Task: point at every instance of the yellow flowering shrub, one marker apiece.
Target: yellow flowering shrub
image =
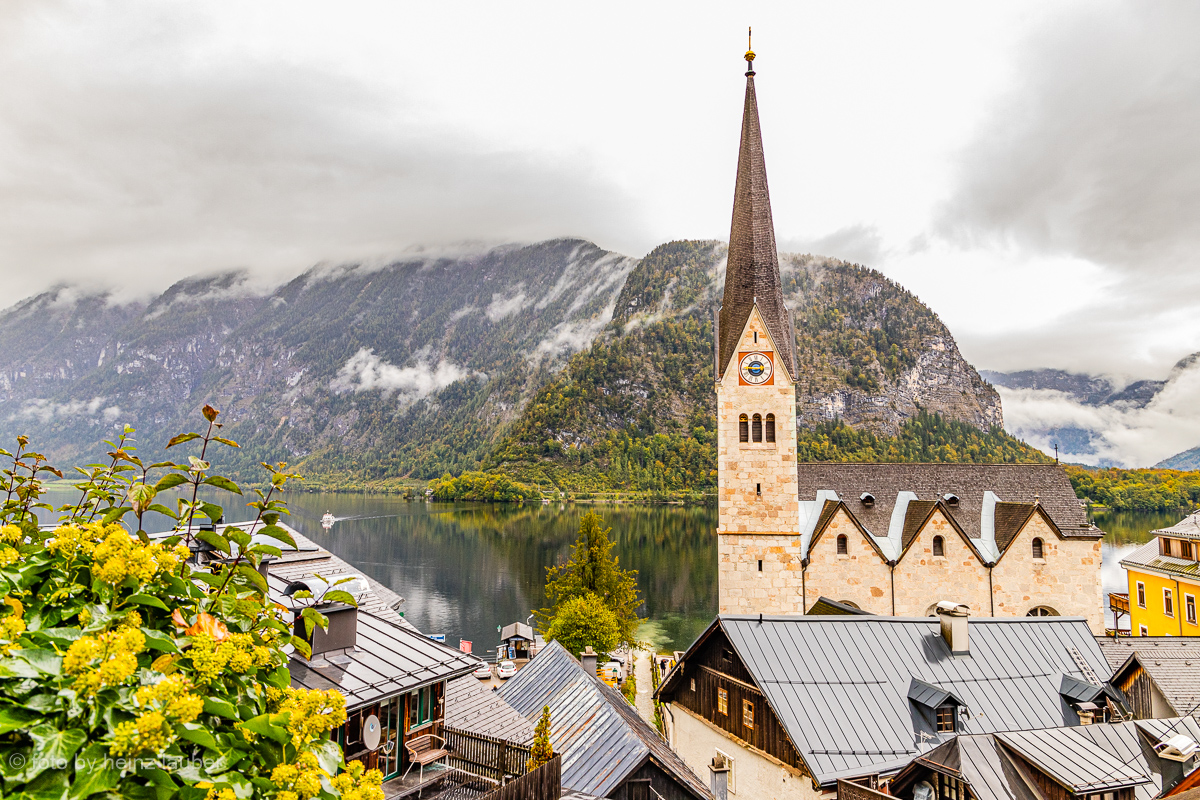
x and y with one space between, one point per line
104 660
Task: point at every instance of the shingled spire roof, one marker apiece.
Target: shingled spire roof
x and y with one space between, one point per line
752 274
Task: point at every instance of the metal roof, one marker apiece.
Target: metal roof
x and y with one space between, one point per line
1186 528
1089 758
840 685
1148 557
600 736
473 706
929 695
388 659
517 630
1078 691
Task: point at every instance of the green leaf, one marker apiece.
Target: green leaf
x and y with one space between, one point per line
223 440
14 719
252 575
226 761
94 773
157 640
161 509
219 707
216 540
339 596
302 647
279 534
17 668
329 756
52 746
263 726
147 600
169 481
212 511
46 661
222 483
237 535
114 514
265 549
197 734
181 438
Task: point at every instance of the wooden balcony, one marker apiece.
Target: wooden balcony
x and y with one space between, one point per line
1119 603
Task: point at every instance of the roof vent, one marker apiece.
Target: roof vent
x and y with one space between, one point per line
953 617
950 498
1179 748
867 499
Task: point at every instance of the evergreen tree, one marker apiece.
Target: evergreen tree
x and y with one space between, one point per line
541 751
594 570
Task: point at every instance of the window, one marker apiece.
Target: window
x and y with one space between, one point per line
1168 603
1143 630
756 428
1041 611
723 702
693 684
945 719
420 708
939 546
842 545
760 565
1185 550
748 713
756 337
1039 549
770 427
758 489
1166 546
1189 607
743 428
1141 594
949 788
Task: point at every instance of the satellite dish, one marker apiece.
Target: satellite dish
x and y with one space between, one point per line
371 732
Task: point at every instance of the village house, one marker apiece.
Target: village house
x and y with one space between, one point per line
1164 582
791 704
1005 540
1159 675
607 750
1122 761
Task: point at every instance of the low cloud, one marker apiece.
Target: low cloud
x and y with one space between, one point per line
1119 434
502 307
859 244
367 372
45 411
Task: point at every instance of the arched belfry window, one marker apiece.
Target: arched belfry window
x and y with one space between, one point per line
770 427
842 544
743 428
939 546
1039 550
756 427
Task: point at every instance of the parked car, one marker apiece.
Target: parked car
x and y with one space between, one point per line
483 671
506 670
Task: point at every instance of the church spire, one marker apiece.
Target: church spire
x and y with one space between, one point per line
752 274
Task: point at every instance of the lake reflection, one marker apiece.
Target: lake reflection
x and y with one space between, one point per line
1125 531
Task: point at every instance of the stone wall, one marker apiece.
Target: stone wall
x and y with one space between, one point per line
923 579
861 576
744 589
755 775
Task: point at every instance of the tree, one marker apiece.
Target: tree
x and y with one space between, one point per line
542 751
126 673
594 570
583 621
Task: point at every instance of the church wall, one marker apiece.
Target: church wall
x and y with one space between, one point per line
1067 579
923 579
746 590
860 577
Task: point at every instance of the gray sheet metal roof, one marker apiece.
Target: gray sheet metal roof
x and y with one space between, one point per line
389 659
1148 557
1186 528
600 736
473 706
1173 663
515 630
1090 758
929 695
977 760
1079 691
839 685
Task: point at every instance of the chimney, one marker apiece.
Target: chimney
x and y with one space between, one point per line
1178 755
718 777
953 617
342 633
590 659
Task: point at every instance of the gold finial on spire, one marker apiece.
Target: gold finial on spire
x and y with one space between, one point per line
749 49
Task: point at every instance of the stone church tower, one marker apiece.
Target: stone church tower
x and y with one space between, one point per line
758 530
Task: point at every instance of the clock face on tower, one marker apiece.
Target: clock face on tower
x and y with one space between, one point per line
755 368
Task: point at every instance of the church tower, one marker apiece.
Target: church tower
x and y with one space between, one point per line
759 516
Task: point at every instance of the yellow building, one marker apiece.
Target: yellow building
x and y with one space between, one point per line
1164 582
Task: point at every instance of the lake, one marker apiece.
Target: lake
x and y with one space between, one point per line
464 568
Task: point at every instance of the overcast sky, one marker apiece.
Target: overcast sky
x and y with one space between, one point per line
1030 170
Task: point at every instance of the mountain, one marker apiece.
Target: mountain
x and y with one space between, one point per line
1100 421
1187 460
524 358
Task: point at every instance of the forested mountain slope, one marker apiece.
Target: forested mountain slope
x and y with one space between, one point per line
445 363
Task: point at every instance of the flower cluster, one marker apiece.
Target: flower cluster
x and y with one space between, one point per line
313 713
12 625
359 784
121 556
103 660
298 781
166 702
237 652
10 535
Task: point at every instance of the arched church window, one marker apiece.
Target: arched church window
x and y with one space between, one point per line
756 427
743 428
1039 549
770 427
939 546
1041 611
842 544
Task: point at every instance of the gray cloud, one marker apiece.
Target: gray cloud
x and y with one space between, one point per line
860 244
1095 152
134 150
